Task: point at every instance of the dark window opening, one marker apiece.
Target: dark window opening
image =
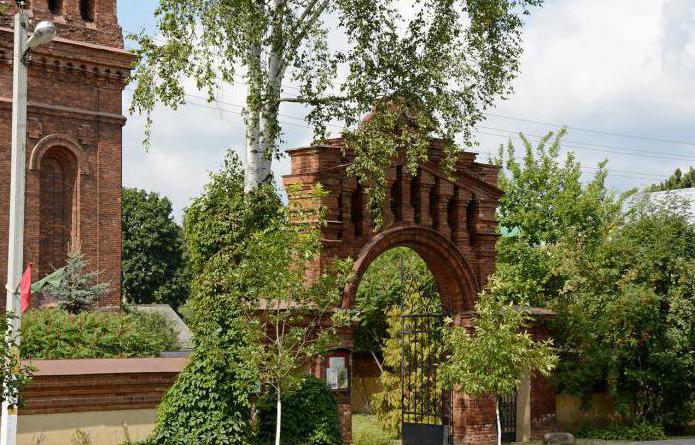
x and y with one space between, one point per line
452 212
356 211
415 197
434 204
55 6
396 196
472 216
87 10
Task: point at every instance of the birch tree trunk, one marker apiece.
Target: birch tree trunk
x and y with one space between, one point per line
269 117
499 424
278 419
252 119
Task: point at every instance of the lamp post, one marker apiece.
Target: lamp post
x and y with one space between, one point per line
44 33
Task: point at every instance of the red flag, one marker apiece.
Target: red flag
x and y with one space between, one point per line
25 289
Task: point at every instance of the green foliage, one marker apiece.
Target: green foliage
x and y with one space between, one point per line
396 282
366 431
221 220
627 312
498 353
13 374
52 334
441 65
309 416
77 291
676 181
620 282
545 201
381 288
211 401
638 431
153 264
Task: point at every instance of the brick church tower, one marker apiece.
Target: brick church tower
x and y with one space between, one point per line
74 138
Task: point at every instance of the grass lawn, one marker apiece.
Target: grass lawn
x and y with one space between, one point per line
366 431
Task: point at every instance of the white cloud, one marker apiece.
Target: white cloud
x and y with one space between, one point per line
625 66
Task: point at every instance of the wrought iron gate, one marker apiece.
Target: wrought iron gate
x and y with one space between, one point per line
507 407
425 405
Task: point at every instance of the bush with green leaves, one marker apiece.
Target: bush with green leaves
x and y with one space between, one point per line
53 334
14 375
637 431
309 416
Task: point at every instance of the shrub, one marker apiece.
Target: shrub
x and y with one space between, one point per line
56 334
78 290
309 417
637 431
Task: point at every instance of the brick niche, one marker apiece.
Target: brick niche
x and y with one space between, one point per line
74 138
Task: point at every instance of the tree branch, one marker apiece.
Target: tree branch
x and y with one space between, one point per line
314 100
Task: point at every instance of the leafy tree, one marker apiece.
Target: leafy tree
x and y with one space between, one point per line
676 181
211 401
397 283
615 272
290 321
546 201
78 289
153 265
434 69
381 288
626 311
494 356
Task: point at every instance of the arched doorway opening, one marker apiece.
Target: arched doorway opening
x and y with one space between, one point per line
397 352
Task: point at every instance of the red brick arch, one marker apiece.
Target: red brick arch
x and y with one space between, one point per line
454 276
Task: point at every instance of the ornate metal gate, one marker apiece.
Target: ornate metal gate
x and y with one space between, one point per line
425 405
507 407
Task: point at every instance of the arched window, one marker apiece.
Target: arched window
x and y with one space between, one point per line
55 6
356 208
87 10
58 207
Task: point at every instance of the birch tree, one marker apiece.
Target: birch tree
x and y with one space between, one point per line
429 66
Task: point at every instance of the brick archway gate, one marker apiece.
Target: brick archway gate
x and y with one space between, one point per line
449 221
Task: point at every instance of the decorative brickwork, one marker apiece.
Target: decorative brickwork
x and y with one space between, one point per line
449 221
73 188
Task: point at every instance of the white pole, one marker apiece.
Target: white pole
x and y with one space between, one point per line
8 424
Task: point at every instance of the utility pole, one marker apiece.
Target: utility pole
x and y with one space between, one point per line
44 33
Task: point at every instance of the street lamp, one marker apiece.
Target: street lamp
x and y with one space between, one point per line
44 33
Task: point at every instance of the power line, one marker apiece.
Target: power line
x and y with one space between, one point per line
588 130
589 146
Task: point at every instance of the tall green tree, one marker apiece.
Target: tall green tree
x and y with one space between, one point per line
494 356
428 66
289 318
615 270
545 201
626 312
153 265
211 401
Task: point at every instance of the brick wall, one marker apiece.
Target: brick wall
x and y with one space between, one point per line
68 386
75 116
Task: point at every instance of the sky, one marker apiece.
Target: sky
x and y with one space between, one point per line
619 74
